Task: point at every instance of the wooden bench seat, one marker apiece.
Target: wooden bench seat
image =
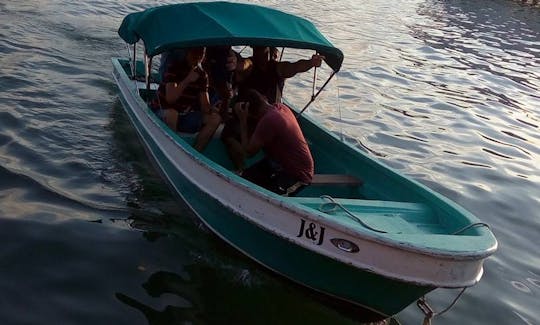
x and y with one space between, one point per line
336 179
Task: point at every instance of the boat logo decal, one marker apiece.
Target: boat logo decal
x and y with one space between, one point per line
311 231
345 245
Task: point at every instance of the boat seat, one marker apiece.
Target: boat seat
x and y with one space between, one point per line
390 216
377 205
336 179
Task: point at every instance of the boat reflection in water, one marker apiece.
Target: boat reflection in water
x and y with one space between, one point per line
208 295
215 281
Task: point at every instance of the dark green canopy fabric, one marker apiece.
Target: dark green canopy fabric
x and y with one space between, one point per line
223 23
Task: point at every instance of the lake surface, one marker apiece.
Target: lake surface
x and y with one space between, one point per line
447 92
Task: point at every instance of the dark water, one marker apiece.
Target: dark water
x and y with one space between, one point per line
447 92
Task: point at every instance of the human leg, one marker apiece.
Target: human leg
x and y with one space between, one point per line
236 153
211 122
190 122
170 117
259 173
272 177
230 136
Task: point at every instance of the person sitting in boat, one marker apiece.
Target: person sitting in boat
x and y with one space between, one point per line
169 57
264 73
288 165
183 98
267 75
221 63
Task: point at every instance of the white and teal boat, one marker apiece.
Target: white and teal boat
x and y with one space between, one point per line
361 232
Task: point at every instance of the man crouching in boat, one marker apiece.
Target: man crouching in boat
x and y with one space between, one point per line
288 164
183 98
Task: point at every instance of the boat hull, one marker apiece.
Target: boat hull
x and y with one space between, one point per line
369 290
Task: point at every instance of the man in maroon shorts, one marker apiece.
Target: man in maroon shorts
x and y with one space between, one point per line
288 165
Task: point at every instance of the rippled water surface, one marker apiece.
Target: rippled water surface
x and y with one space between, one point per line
447 92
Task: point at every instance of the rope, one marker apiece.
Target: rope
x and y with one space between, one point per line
426 309
333 207
477 224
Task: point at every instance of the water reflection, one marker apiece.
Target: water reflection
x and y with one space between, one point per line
219 285
476 68
160 283
204 294
492 39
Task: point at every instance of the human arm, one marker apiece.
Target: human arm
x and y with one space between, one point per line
289 69
249 146
173 90
204 101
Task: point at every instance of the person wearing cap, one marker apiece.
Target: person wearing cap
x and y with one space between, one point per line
267 75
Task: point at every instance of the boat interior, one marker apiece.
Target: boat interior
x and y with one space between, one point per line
327 180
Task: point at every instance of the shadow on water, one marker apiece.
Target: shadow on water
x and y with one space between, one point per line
204 294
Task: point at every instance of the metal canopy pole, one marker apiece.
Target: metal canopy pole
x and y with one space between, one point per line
134 62
147 73
313 97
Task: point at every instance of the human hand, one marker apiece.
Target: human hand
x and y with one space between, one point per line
241 109
274 53
216 108
316 60
193 75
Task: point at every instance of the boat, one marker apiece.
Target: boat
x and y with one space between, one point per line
361 233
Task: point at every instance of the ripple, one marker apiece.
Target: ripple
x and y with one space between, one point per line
9 120
37 189
527 123
469 163
520 286
535 282
507 144
512 134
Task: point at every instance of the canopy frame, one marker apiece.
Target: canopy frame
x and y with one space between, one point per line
211 24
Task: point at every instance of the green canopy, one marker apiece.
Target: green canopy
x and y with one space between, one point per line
223 23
